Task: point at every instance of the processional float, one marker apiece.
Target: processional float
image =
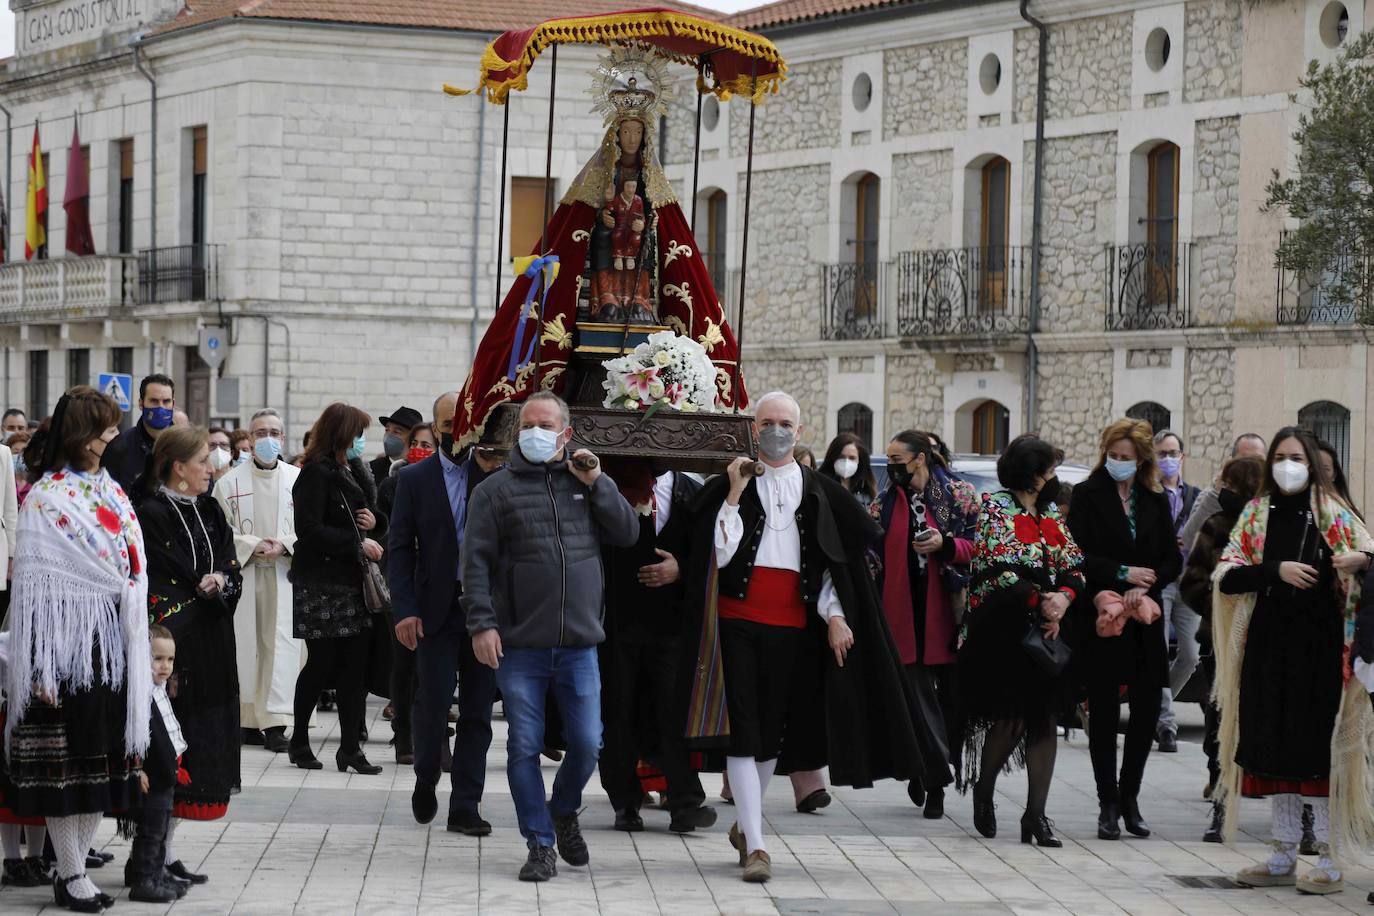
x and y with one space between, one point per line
615 308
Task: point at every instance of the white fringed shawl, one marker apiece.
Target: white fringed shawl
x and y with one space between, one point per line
80 591
1352 739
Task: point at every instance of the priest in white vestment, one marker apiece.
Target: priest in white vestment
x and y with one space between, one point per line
256 498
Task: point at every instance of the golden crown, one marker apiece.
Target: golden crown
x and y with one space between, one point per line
632 81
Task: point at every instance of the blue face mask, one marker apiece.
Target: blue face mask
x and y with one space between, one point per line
1121 471
267 450
538 445
157 417
356 449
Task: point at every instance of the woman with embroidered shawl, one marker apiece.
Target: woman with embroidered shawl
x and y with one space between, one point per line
194 584
1027 572
1294 724
79 685
929 519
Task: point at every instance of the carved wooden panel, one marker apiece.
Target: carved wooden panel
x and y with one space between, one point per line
672 440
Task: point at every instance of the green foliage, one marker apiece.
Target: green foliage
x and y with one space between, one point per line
1332 191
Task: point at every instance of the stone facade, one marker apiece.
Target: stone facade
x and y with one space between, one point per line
924 88
1075 401
1089 69
974 362
1213 42
921 200
1216 208
1149 359
805 115
787 240
1211 394
915 394
1080 199
804 379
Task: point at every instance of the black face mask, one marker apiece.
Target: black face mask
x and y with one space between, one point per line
1048 493
899 474
446 445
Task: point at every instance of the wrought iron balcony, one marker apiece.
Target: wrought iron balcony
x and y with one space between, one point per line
182 273
1311 300
852 296
962 291
1147 286
66 288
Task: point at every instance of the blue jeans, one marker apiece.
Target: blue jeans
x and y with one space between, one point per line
524 678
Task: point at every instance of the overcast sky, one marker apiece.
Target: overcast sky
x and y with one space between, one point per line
7 19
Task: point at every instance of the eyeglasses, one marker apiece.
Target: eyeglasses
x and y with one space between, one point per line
267 434
1172 454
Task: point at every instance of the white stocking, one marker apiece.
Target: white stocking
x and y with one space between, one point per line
70 848
9 839
765 769
1287 818
1321 819
745 784
171 828
34 838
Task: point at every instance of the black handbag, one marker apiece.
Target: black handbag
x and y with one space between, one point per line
1049 655
376 592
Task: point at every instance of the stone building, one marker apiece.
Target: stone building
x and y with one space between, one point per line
304 185
889 279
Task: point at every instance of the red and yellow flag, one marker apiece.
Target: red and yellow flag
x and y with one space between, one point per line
35 236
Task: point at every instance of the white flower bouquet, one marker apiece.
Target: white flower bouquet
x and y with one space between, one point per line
665 371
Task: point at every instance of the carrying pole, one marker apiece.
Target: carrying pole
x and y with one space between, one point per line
696 150
501 210
744 242
543 233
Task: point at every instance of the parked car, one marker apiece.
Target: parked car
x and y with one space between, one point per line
981 471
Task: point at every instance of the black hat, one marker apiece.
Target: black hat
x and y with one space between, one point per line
408 417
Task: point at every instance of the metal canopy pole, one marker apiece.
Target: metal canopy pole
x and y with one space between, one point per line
744 245
696 152
501 210
543 233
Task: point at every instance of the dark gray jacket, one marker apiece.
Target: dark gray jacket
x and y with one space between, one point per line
532 554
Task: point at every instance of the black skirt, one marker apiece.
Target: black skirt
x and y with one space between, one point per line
759 663
206 702
329 611
997 679
69 758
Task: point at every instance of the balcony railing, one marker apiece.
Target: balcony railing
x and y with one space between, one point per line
1147 286
852 297
183 273
1310 300
66 287
962 291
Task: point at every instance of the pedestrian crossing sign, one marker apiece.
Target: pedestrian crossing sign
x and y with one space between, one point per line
120 386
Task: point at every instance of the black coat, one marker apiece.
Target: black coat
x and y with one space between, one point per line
861 720
127 455
1140 655
635 610
326 495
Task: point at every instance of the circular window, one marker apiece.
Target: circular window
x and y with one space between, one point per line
1157 48
1334 25
863 92
990 74
710 112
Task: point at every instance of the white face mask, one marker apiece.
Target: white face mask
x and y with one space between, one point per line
219 457
1290 475
846 467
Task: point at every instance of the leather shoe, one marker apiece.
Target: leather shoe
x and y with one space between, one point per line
1130 816
251 736
1213 834
935 805
1168 743
984 815
690 819
468 823
814 802
628 820
185 874
423 803
916 792
274 739
1108 827
304 758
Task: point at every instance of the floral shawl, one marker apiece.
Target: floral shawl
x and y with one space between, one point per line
1017 551
80 593
1352 742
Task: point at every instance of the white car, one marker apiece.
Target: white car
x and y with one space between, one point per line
981 471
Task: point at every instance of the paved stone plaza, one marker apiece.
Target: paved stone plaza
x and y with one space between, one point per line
328 843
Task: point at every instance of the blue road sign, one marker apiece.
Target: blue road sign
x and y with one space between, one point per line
119 386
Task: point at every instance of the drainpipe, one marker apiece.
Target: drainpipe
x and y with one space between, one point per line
1032 354
476 226
152 189
9 176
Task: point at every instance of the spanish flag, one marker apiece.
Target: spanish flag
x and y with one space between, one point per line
35 236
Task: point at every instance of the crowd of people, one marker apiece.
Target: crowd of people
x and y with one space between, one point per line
176 594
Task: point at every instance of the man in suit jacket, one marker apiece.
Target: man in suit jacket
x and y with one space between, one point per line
425 544
641 709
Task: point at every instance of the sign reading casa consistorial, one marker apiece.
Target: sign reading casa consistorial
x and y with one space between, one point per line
47 26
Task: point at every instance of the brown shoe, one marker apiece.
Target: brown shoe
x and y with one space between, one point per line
759 868
737 841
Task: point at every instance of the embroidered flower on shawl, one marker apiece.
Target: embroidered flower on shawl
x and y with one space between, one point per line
60 475
1027 531
1054 535
108 518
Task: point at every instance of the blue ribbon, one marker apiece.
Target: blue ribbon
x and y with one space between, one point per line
537 267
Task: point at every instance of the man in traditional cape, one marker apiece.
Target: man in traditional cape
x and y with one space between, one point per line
256 499
790 665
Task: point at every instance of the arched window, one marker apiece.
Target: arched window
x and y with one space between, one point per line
1330 421
1157 415
991 428
856 418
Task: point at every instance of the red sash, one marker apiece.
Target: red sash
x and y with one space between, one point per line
774 598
